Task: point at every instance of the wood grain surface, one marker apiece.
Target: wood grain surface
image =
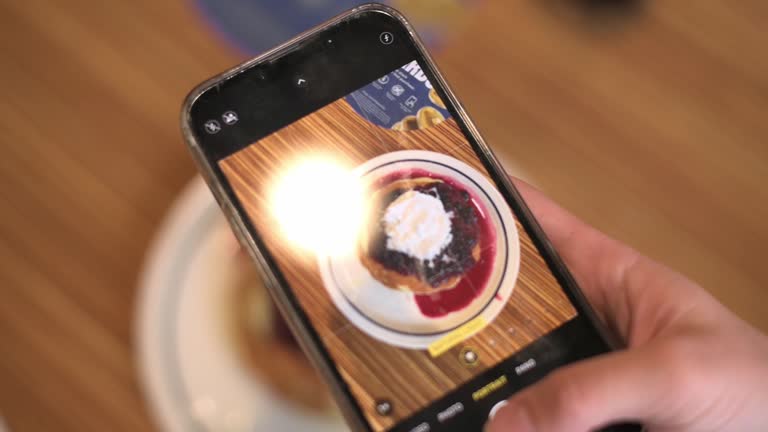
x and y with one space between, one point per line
650 125
409 379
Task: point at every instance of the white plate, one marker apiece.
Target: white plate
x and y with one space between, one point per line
392 316
190 370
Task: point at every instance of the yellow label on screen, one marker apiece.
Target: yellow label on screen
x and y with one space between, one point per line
457 336
490 388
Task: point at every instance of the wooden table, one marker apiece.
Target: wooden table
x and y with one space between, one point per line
652 127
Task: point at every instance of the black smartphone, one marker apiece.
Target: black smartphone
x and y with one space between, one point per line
402 257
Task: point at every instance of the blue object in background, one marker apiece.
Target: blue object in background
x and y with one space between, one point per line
254 26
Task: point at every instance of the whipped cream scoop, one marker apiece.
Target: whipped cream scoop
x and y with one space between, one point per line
417 224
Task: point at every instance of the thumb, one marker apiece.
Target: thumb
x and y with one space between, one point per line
585 396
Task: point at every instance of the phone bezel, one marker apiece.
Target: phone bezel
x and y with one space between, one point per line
287 304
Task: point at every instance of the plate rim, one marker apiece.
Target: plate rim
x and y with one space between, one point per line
166 402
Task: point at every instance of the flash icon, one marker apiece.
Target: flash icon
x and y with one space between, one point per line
212 126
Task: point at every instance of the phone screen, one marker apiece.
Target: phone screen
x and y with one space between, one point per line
397 244
424 286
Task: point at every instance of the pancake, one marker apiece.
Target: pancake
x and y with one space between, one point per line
268 348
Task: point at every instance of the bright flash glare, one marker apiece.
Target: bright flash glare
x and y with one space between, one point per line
318 205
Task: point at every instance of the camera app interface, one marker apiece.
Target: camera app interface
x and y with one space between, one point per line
399 248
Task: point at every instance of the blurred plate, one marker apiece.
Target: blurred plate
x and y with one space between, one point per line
392 315
190 368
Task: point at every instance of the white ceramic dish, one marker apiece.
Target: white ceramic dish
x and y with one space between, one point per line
392 316
190 369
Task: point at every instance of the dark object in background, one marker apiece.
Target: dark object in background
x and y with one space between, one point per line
608 6
597 14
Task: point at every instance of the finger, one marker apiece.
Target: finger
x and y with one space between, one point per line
610 389
609 273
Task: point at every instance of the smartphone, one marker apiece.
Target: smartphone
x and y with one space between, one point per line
402 257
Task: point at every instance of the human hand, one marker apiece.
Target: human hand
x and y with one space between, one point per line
690 363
